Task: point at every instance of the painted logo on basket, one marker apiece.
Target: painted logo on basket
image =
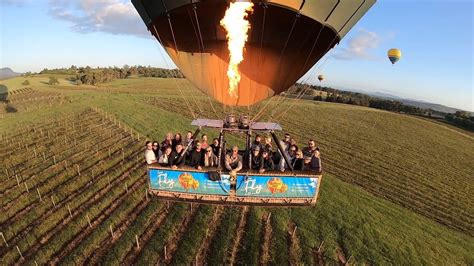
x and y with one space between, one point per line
276 185
187 181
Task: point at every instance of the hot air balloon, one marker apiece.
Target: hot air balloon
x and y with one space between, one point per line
394 55
286 38
280 41
321 78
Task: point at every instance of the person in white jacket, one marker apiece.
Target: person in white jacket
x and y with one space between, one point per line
149 154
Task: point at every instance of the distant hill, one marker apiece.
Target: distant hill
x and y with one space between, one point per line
421 104
7 72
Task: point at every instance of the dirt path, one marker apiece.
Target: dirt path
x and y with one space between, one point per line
172 243
210 233
294 252
93 258
266 238
146 236
62 223
94 223
18 237
238 236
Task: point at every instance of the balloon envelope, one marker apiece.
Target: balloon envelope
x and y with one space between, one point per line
321 77
394 55
286 38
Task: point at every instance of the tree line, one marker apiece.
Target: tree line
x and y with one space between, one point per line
356 98
94 76
461 118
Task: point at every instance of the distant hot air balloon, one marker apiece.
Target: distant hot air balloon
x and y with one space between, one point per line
394 55
321 78
285 39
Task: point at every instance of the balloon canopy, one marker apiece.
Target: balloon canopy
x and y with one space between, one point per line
321 77
286 38
394 55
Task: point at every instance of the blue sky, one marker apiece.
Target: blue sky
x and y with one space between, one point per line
435 36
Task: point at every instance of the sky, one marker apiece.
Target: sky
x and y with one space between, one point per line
435 37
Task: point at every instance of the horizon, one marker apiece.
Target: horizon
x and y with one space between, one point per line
433 69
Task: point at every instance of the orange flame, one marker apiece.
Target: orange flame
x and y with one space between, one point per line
236 24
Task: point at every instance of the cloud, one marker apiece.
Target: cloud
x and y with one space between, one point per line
110 16
359 46
14 2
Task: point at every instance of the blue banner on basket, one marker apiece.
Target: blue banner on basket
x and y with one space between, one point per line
276 187
191 182
247 186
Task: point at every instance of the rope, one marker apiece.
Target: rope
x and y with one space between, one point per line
195 102
259 114
260 53
286 99
174 75
202 51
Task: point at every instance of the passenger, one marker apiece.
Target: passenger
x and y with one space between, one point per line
196 158
268 164
291 156
293 143
168 142
177 157
177 140
189 139
315 162
285 143
233 161
268 145
149 154
215 146
310 149
299 161
257 159
204 143
156 149
165 157
257 141
210 159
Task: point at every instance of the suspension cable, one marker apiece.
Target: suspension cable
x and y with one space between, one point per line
286 99
260 56
202 51
173 74
259 114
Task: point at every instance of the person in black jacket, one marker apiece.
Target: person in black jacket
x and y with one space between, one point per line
267 163
177 157
257 160
215 146
315 163
298 163
196 158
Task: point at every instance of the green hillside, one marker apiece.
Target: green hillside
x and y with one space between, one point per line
396 189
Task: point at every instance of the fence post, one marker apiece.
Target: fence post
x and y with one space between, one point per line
26 186
39 194
69 210
138 244
4 240
111 231
294 231
19 252
88 220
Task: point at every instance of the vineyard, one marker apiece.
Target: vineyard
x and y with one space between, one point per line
73 186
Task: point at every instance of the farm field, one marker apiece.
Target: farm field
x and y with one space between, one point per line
396 189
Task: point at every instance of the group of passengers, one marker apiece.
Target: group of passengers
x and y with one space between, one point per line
176 152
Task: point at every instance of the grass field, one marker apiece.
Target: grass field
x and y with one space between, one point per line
396 189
